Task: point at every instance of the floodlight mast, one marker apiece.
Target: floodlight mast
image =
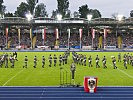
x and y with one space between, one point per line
59 17
120 17
89 17
29 16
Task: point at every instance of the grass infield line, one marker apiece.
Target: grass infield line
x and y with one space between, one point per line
12 77
123 72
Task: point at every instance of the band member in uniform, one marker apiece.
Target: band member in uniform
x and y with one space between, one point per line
35 62
119 57
84 60
90 61
15 55
25 62
104 62
6 60
63 59
125 62
60 60
114 62
12 60
43 61
50 60
97 62
55 60
66 56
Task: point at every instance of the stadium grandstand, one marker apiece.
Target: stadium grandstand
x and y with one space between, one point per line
48 33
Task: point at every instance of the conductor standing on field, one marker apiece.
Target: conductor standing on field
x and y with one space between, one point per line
73 69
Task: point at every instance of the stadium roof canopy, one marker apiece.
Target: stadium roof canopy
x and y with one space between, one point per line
41 21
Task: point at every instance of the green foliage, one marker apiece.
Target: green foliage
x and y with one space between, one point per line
63 6
131 13
49 76
8 14
40 10
84 11
22 10
54 13
31 5
2 7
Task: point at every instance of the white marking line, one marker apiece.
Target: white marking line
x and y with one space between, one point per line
65 94
66 97
42 92
12 78
123 72
60 91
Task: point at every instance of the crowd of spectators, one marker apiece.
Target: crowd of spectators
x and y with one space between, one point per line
25 41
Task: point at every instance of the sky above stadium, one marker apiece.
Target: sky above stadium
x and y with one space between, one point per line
106 7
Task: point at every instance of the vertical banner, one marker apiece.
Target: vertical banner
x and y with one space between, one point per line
69 33
6 32
93 33
80 33
19 36
45 34
31 33
57 33
6 37
105 33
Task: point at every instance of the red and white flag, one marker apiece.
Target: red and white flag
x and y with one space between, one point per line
105 33
93 33
80 33
57 33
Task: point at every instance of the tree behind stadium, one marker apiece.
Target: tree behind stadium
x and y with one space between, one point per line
63 6
2 7
40 10
84 11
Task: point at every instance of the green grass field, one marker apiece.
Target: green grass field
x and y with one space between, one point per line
49 76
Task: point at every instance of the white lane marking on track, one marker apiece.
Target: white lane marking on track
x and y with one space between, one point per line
12 78
64 94
57 91
66 97
123 72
